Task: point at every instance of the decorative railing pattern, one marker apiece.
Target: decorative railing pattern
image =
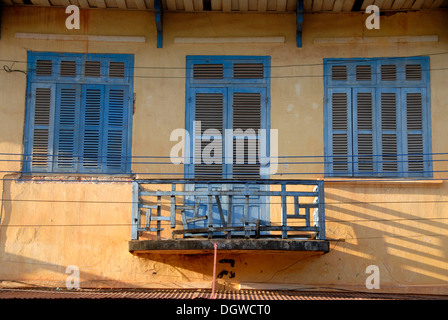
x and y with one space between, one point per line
301 207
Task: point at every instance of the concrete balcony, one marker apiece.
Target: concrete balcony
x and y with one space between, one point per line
237 215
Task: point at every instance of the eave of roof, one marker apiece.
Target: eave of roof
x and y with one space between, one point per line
240 6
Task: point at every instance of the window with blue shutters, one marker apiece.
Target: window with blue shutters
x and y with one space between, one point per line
79 113
227 93
377 117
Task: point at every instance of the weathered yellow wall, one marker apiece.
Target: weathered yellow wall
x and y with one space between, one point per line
401 227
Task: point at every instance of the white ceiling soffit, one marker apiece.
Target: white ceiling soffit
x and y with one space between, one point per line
242 6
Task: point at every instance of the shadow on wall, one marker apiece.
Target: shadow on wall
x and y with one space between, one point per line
401 229
19 268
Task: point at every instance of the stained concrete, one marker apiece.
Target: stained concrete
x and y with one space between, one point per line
189 246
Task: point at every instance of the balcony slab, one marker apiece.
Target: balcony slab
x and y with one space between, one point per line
206 246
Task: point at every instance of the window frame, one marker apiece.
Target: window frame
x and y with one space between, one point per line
79 82
258 208
400 86
229 84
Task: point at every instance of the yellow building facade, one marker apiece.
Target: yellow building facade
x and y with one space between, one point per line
51 221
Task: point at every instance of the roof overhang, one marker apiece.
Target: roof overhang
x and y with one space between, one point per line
240 6
299 7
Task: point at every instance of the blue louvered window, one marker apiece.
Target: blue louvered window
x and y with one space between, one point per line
227 93
377 117
79 113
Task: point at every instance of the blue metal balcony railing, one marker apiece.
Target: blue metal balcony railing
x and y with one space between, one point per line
229 208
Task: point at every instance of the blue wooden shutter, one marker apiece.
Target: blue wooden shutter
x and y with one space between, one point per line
209 107
91 149
115 128
391 163
246 114
69 125
364 137
340 131
66 127
416 132
42 104
226 93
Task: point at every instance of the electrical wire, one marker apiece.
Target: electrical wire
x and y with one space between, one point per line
271 66
7 69
384 235
326 203
270 77
164 223
10 70
328 220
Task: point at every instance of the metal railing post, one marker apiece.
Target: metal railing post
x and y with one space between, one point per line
213 197
284 213
135 211
321 211
173 207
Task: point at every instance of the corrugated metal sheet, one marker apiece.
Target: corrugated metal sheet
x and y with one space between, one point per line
184 294
275 6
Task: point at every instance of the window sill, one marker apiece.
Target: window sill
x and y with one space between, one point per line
383 182
65 177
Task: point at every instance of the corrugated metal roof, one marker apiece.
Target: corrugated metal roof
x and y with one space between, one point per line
188 294
274 6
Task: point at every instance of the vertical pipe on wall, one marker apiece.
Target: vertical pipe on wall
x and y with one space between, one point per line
135 211
215 246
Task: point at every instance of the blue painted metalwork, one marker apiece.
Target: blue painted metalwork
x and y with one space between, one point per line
158 10
146 199
299 23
